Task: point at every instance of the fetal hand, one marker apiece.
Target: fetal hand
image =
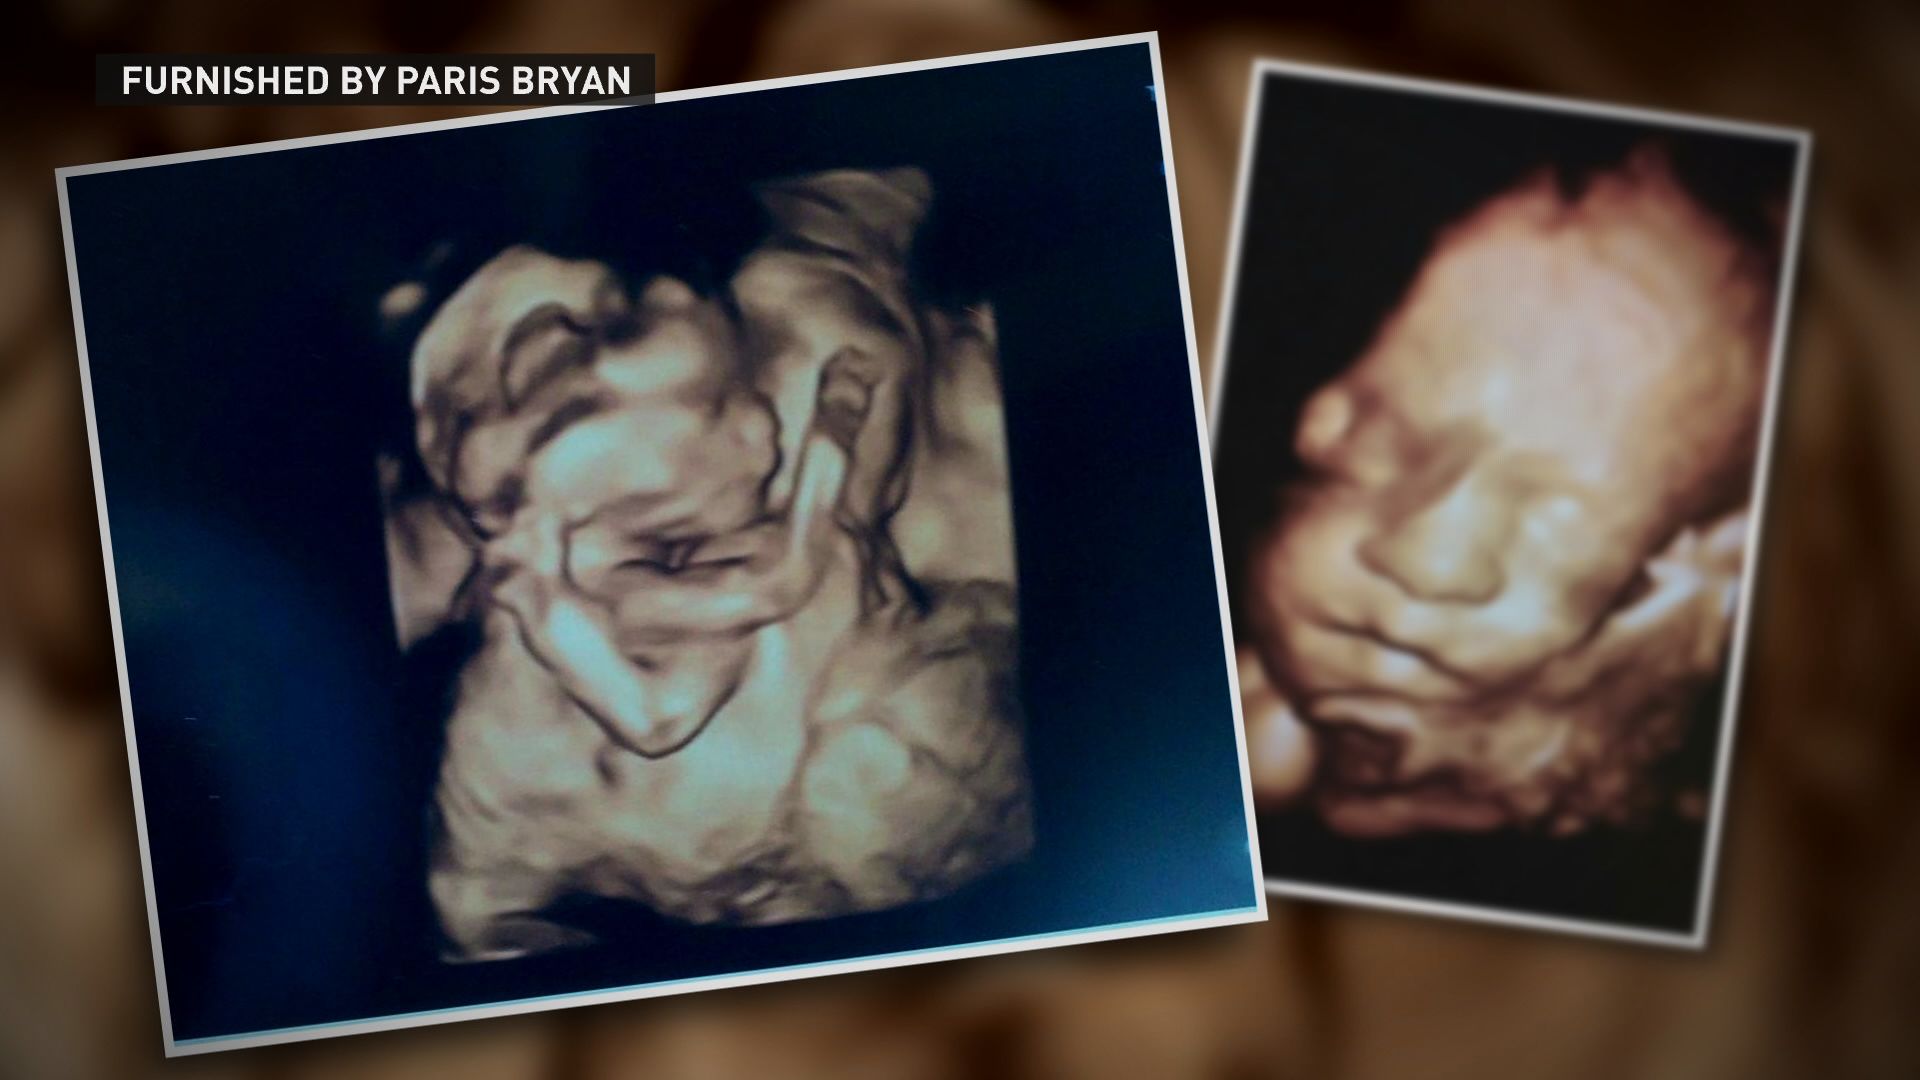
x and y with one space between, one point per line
571 636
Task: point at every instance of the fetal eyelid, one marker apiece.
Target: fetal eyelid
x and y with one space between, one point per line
1544 483
541 346
1438 460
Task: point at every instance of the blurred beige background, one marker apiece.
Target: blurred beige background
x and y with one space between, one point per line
1815 966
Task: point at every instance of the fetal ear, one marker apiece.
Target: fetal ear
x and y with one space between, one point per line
867 214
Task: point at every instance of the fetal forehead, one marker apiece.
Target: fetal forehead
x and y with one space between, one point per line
711 345
1579 387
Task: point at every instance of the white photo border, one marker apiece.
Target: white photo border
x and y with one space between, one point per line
1257 912
1802 141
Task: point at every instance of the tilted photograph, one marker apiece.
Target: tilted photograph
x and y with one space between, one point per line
1491 432
605 552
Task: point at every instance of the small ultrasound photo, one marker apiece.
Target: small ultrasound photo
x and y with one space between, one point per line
612 552
1491 421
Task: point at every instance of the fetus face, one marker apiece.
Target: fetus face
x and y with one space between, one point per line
604 445
708 679
1566 390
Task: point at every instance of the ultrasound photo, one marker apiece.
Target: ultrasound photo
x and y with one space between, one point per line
739 571
1490 430
606 552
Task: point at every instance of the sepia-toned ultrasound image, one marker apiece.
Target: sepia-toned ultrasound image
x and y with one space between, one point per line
736 565
1488 536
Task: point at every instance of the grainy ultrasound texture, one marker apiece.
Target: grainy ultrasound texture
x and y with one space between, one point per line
741 571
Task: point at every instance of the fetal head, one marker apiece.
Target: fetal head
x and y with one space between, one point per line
1566 386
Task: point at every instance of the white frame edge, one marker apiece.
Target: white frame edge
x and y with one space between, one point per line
1255 913
1737 652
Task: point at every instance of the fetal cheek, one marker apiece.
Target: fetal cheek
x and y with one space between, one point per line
1549 606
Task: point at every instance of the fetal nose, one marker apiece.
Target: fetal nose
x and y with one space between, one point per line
1448 550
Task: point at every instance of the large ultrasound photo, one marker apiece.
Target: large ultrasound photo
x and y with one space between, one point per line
606 552
1490 435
